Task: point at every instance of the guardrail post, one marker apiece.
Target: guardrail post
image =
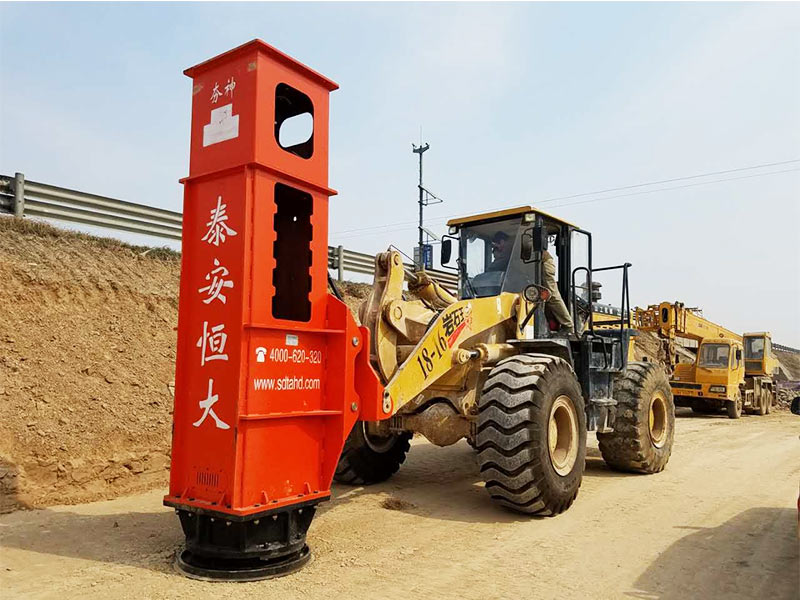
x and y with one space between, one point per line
19 195
340 262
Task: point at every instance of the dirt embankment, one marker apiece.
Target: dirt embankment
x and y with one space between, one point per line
87 346
790 362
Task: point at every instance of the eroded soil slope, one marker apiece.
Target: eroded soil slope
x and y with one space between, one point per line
86 357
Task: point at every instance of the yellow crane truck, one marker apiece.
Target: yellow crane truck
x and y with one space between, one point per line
729 371
490 365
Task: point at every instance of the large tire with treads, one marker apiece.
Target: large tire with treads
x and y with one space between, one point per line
531 434
764 403
644 427
366 459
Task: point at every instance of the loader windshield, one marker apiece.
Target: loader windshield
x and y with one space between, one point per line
714 356
489 258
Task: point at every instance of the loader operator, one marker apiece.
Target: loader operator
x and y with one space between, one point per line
501 252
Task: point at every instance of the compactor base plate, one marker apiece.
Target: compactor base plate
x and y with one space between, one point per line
246 569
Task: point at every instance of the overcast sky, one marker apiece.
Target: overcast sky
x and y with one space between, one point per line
521 104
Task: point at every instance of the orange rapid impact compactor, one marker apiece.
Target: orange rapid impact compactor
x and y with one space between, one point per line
272 371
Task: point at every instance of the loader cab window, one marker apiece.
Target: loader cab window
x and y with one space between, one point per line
489 259
714 356
754 348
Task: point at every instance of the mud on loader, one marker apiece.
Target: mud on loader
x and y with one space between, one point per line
489 367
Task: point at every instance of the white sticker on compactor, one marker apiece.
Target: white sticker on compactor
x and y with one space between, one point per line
224 125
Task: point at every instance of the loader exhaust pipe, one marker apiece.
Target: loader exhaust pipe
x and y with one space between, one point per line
272 371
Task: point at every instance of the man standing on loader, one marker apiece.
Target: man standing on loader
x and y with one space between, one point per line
501 254
555 303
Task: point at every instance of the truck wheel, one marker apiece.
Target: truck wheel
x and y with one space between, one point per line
734 407
770 400
644 428
368 459
763 404
531 434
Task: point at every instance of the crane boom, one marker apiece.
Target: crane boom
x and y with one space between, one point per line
674 320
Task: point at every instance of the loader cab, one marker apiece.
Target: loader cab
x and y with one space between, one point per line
503 251
496 251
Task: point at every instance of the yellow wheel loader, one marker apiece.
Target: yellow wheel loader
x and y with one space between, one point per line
492 365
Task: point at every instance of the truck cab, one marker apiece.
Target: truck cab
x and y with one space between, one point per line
758 357
715 378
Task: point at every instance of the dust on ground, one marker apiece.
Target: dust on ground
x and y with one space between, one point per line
720 522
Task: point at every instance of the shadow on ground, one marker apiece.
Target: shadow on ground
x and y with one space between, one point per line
752 555
445 484
145 540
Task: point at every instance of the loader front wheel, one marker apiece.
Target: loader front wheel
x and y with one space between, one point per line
367 458
531 434
644 427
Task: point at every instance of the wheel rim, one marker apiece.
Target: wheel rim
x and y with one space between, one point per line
658 420
376 443
562 435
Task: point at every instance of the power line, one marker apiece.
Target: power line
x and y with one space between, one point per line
676 187
696 184
711 174
614 189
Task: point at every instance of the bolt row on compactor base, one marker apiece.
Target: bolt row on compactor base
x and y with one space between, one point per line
279 391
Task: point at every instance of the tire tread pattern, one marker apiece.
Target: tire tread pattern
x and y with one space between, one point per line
359 464
507 439
629 447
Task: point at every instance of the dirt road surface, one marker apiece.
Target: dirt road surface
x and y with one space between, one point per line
720 522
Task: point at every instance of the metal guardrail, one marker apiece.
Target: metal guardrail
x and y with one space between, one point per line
24 198
358 262
29 198
785 348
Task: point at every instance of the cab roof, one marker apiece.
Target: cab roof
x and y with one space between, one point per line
509 212
757 334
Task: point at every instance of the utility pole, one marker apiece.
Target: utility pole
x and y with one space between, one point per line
420 150
425 198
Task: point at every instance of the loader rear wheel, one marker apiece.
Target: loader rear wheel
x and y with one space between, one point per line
644 428
531 434
368 459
